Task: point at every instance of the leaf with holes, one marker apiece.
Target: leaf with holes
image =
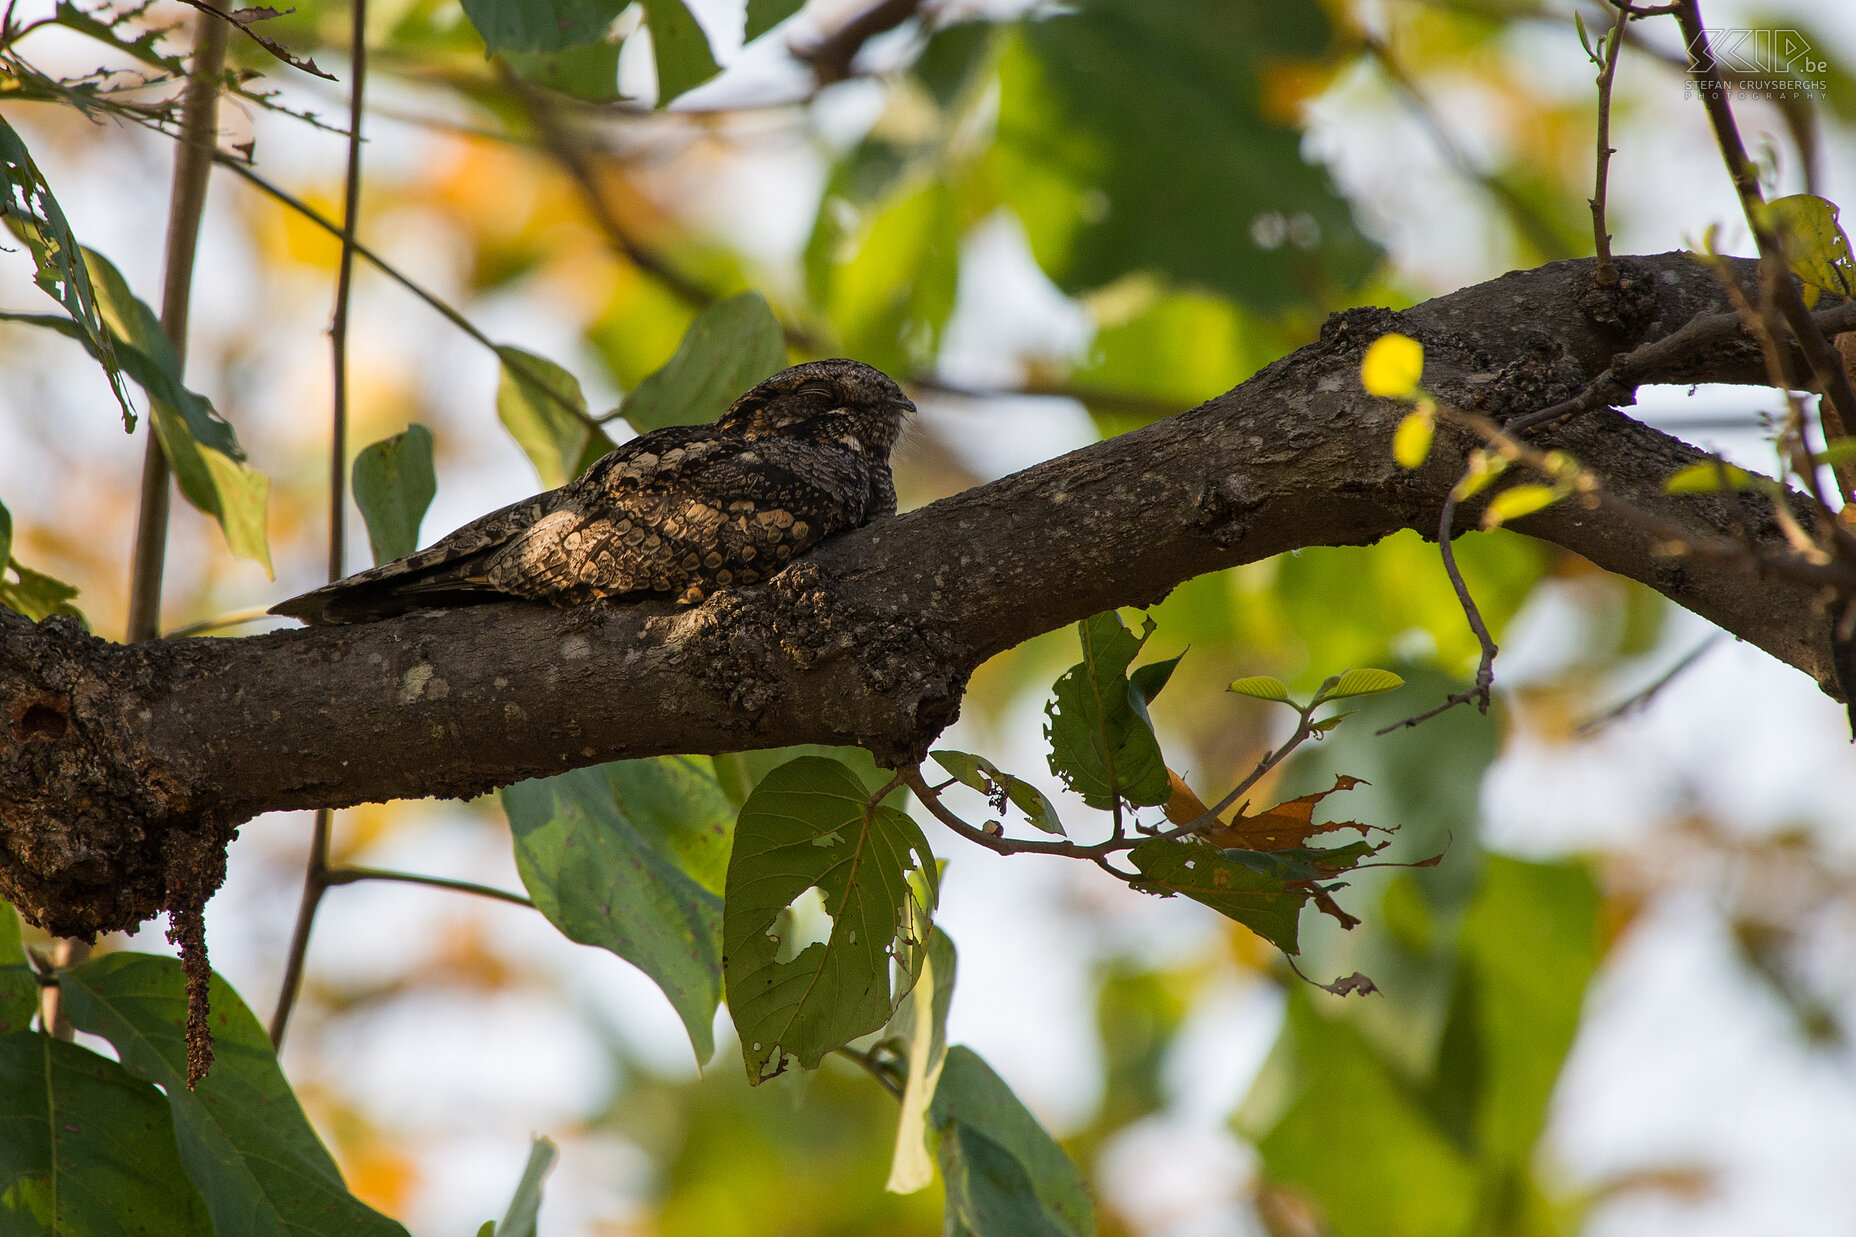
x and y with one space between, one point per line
1101 742
809 824
1260 901
32 214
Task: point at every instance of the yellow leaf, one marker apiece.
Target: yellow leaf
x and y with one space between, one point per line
1392 366
1183 807
1814 244
1411 442
1512 504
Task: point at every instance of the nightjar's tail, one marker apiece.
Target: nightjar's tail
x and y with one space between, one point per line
450 572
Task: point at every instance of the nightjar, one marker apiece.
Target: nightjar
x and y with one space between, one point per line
680 511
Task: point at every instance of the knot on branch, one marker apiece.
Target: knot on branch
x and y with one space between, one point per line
1626 309
87 816
1529 383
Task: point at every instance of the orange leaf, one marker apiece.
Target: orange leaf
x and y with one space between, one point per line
1281 827
1184 807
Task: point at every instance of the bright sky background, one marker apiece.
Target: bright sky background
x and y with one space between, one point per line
1684 1057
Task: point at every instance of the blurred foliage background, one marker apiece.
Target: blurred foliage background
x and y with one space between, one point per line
1622 1001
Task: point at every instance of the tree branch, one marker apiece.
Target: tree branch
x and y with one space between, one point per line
871 637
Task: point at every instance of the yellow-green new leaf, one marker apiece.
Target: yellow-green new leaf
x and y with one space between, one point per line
1706 477
1365 682
1837 453
1392 366
1512 504
1263 687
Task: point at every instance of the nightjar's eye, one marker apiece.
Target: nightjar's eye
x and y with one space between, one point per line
819 389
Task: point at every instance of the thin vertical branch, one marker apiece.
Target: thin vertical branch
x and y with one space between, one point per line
193 164
316 872
1606 274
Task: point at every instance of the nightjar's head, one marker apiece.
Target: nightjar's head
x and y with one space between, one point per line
839 400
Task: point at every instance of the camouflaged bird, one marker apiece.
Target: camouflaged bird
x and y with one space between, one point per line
681 511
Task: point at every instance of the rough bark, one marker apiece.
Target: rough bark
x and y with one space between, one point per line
121 760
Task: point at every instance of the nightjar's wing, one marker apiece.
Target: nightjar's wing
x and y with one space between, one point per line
447 572
700 511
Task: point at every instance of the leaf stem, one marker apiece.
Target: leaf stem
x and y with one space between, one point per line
350 875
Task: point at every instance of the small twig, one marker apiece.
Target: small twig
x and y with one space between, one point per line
831 56
67 952
1660 359
316 870
315 884
1605 274
875 1068
348 876
1485 669
215 624
1638 700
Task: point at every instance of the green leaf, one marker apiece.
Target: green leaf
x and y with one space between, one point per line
1814 244
243 1138
19 985
1706 478
1348 1133
1005 1174
1134 137
541 406
201 447
731 345
1530 947
1517 501
886 270
764 15
32 214
684 60
1364 682
982 775
525 1204
85 1149
809 824
589 71
630 856
34 595
1263 687
1100 744
921 1022
1258 900
393 486
541 25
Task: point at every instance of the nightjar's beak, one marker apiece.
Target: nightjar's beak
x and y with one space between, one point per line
904 403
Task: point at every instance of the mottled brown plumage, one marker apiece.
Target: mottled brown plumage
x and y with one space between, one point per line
681 511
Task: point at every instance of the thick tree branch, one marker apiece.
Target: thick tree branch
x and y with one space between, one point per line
115 753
